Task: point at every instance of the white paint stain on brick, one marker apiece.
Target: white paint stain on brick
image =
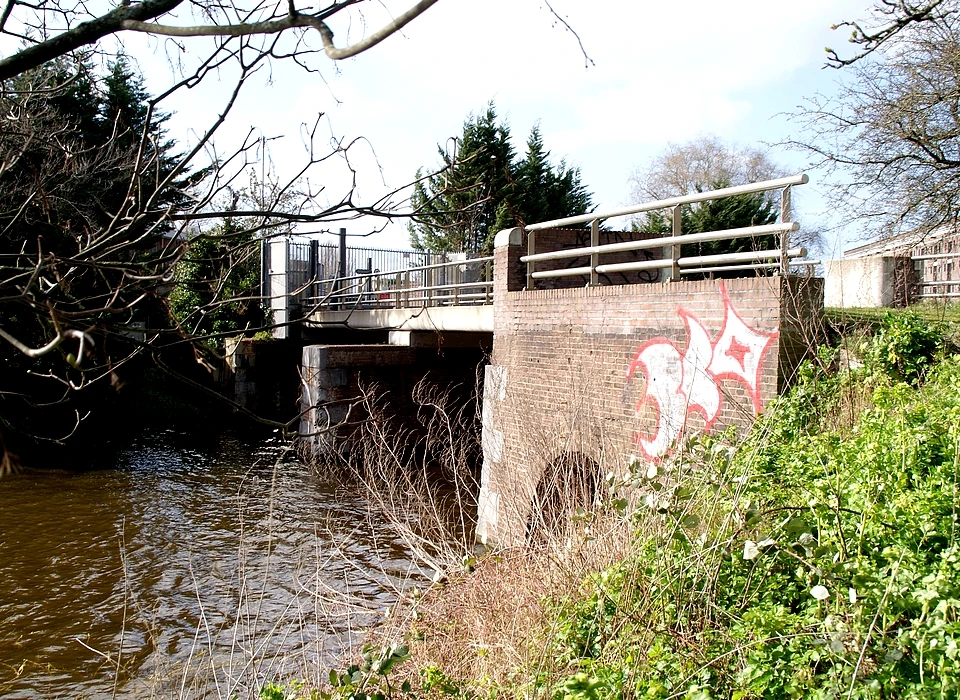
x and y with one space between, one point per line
494 391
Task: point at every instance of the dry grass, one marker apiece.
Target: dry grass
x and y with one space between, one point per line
419 473
489 623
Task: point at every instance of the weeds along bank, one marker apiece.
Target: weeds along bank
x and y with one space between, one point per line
818 558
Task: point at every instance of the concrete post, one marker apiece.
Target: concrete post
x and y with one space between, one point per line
279 299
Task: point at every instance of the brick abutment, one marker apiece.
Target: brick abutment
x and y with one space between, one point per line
585 379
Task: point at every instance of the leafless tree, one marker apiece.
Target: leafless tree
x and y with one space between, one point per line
890 135
892 18
52 28
705 163
85 293
685 168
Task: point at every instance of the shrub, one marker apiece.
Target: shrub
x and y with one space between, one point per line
904 346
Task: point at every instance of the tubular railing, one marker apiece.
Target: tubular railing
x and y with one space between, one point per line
781 258
455 283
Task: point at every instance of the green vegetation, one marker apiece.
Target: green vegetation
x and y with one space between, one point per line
482 188
217 283
740 211
817 558
927 311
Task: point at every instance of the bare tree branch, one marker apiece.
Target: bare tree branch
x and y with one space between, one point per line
897 16
292 20
82 35
890 136
137 16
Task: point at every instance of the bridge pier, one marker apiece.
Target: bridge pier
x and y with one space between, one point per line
335 379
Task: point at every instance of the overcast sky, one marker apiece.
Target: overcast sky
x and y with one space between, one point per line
661 72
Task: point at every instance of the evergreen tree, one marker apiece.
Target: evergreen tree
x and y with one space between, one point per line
124 117
731 213
735 212
68 163
543 193
460 208
483 188
217 283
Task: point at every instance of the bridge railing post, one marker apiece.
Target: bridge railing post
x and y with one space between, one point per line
785 215
456 283
397 287
488 279
594 256
675 249
531 250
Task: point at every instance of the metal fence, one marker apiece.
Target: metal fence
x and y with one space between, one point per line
671 260
338 278
311 268
450 283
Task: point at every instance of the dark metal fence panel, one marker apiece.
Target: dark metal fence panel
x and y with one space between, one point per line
299 273
311 268
367 260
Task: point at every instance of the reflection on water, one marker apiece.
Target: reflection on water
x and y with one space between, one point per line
183 572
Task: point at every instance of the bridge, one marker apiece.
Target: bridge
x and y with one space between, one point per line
607 345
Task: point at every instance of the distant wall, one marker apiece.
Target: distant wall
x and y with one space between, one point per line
868 282
335 377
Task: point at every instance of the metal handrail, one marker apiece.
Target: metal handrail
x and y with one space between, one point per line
353 289
752 266
419 268
672 242
749 231
751 188
718 261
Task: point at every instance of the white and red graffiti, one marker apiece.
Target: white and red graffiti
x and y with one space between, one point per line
679 383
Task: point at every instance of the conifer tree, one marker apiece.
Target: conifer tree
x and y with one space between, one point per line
482 188
461 207
68 173
545 193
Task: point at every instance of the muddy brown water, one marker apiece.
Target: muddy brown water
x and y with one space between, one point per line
184 572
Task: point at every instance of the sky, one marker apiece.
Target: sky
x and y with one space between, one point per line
657 73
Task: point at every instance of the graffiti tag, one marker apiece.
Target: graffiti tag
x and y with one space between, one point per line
678 383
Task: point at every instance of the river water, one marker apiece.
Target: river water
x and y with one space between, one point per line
184 571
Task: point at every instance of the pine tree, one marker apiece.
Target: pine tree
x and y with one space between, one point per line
124 116
69 160
543 193
460 208
482 188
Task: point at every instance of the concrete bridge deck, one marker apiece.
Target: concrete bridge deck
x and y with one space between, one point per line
473 319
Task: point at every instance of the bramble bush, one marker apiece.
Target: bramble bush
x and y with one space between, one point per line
807 562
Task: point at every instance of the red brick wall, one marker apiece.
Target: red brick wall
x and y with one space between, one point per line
573 366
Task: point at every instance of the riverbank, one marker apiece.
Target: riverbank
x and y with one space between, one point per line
817 558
